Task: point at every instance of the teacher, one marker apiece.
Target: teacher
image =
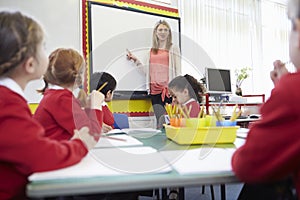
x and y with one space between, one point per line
163 63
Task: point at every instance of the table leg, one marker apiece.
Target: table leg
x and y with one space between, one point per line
181 193
164 194
223 192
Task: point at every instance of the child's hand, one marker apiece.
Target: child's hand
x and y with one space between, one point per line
278 71
95 100
84 135
106 128
82 97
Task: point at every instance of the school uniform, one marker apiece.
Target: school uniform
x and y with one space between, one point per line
272 148
24 149
60 113
108 117
195 107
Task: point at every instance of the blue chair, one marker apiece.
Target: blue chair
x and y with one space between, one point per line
121 121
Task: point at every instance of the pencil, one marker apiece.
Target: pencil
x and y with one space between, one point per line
189 111
114 138
234 115
102 86
201 112
183 113
218 115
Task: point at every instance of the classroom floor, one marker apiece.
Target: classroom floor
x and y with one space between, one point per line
194 193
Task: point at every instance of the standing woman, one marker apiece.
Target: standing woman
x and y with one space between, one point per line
162 65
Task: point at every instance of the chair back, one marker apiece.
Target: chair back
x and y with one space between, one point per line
121 121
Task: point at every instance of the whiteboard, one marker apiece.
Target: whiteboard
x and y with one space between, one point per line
112 30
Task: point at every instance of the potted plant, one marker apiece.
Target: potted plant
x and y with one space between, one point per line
241 75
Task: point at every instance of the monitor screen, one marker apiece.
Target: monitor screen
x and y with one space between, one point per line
218 80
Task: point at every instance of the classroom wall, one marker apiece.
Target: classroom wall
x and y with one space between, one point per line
61 20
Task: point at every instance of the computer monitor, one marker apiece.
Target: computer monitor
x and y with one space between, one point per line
218 81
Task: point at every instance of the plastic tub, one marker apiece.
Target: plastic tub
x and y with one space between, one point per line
201 135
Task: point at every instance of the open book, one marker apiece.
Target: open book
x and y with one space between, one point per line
134 131
242 132
202 160
110 162
129 133
117 140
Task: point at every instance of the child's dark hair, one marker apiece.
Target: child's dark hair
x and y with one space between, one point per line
188 82
99 78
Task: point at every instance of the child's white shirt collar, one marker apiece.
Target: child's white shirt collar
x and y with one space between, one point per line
12 85
190 100
55 87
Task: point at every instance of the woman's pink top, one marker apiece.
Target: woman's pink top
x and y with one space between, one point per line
159 73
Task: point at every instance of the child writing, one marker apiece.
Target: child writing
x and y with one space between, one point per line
24 149
108 84
187 91
59 111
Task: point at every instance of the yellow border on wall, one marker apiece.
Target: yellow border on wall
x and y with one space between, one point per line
138 7
87 55
143 105
119 106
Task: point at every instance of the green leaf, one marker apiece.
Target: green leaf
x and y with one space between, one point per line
242 74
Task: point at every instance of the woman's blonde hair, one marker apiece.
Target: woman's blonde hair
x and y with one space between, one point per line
20 36
64 68
155 41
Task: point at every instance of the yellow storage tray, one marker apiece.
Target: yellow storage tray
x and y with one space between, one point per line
202 135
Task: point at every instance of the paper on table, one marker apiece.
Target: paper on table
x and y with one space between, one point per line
202 160
242 132
119 141
142 132
133 130
110 162
114 131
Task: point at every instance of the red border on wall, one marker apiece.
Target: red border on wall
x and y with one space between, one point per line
84 37
137 114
